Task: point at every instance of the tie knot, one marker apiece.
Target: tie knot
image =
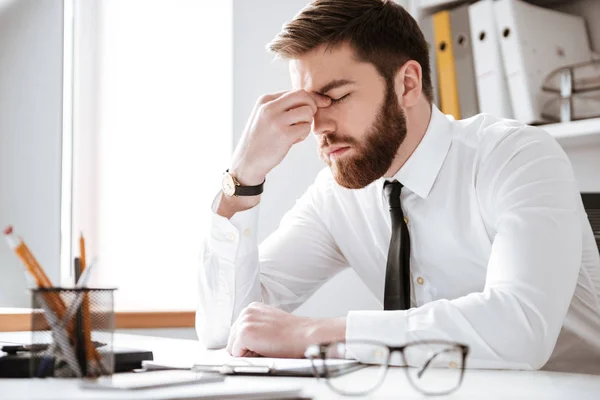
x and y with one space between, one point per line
392 192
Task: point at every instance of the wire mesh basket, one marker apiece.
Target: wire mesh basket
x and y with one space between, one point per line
72 332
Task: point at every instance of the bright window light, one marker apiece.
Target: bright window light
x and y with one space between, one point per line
164 121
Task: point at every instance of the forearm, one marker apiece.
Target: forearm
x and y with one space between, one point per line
327 330
505 329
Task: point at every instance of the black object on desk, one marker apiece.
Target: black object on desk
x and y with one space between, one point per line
591 203
79 329
15 360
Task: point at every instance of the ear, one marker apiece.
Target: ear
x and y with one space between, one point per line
407 83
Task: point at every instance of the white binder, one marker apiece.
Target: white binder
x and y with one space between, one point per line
492 88
534 41
463 61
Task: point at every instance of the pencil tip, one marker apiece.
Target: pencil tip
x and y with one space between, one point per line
8 230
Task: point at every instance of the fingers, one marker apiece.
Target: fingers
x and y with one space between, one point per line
241 341
322 101
236 333
300 131
299 98
233 332
266 98
298 115
238 349
295 99
236 343
246 354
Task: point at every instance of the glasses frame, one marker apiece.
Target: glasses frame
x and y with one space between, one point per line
320 351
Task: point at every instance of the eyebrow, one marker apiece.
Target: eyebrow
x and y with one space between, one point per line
334 84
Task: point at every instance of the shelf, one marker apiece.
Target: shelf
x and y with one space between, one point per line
424 7
427 6
582 132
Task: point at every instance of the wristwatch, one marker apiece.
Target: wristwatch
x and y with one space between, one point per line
231 187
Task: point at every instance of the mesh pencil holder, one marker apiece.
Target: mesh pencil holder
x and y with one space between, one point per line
72 332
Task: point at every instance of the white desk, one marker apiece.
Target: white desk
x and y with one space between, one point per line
477 384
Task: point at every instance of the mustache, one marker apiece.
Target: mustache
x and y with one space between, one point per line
327 140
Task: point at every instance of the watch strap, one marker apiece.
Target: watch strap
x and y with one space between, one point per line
249 190
241 190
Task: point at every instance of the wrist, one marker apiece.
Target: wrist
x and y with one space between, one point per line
247 177
326 330
229 206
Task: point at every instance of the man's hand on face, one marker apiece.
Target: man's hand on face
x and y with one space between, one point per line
266 331
278 121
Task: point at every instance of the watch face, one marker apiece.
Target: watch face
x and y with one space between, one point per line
228 185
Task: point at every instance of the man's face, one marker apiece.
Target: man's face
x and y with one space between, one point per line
361 131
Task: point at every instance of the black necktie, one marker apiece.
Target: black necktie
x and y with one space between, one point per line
397 275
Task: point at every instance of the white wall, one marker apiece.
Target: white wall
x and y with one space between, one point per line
31 53
255 24
590 11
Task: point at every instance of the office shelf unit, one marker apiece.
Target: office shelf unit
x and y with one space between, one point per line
582 132
575 133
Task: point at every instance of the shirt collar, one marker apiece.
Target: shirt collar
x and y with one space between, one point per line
420 171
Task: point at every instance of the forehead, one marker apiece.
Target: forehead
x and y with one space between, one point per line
320 66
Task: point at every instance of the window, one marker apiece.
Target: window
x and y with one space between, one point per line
152 137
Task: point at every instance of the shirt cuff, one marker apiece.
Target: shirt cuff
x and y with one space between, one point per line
388 327
235 237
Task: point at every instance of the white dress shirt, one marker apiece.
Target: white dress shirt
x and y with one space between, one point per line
503 257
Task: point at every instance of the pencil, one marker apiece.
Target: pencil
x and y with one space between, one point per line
34 269
24 254
91 352
82 252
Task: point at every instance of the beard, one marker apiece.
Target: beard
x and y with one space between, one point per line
373 155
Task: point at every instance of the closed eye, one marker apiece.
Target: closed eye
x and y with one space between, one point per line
340 99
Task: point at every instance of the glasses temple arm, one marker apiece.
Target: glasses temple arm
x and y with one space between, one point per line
424 367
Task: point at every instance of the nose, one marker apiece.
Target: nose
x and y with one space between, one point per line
323 123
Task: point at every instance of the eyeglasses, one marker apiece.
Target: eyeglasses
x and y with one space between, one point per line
420 359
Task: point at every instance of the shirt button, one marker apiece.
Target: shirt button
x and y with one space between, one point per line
231 237
406 220
420 281
248 232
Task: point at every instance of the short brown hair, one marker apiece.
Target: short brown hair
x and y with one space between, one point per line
380 32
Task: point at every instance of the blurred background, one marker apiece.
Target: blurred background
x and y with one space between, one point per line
118 117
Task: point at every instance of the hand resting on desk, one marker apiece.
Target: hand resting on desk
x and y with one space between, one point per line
262 330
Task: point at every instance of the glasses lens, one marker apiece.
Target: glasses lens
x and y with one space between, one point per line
434 368
366 353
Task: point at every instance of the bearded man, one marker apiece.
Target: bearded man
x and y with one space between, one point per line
471 231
